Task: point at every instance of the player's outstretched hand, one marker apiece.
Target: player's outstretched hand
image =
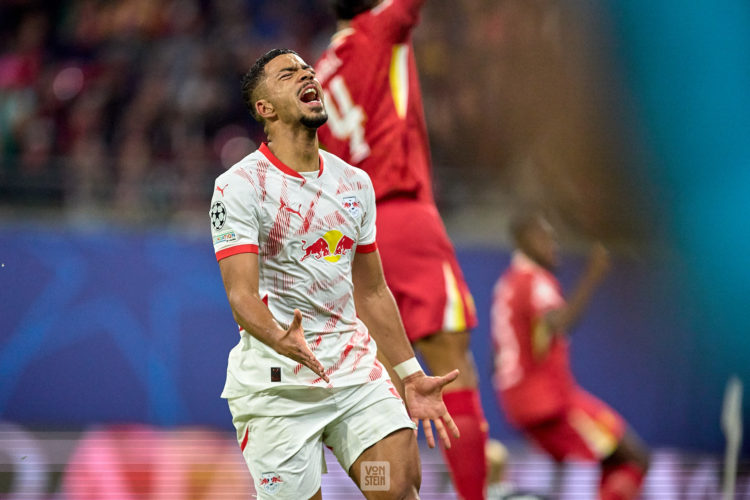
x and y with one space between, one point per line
293 345
424 399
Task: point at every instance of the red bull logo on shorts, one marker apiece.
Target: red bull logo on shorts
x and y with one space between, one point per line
331 246
270 482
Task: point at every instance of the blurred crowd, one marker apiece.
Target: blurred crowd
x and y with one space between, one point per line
526 105
132 107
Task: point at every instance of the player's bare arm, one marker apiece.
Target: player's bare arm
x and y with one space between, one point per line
240 275
562 320
377 308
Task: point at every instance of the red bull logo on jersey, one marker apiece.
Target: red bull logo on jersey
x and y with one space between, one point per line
270 482
331 246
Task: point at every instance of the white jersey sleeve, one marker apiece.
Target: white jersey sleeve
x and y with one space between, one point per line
234 217
367 233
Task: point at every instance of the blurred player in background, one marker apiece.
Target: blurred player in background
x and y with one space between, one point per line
376 122
294 233
530 321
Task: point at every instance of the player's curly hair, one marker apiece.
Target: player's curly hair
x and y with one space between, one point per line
253 77
348 9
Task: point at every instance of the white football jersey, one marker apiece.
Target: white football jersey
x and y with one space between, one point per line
305 228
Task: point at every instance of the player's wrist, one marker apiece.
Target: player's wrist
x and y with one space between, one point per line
408 369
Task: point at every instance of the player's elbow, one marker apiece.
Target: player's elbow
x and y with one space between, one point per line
238 301
237 316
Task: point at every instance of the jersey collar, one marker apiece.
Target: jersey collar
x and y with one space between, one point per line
266 151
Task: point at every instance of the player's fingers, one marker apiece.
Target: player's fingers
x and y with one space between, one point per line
416 426
451 424
296 321
448 378
310 361
442 434
321 372
427 426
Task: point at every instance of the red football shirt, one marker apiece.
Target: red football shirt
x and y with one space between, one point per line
374 103
530 389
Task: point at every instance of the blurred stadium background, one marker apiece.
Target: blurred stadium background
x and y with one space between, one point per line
628 121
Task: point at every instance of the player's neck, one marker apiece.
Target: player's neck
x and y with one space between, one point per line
299 151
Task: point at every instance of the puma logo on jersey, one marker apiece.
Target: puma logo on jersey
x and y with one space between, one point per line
290 209
221 190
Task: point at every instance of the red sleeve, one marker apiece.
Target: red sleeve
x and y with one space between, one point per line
544 295
392 20
524 310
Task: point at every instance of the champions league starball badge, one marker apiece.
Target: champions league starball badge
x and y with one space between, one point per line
218 215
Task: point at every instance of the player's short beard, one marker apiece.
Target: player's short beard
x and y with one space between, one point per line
315 121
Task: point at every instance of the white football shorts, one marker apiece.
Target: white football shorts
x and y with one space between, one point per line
282 432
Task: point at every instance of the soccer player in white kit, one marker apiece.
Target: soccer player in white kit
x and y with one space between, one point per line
294 233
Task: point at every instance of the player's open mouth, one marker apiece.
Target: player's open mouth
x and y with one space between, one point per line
310 96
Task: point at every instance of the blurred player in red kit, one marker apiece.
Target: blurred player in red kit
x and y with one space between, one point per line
376 122
537 391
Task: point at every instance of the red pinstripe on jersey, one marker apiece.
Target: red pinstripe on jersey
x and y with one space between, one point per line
313 346
376 371
334 368
364 349
280 228
335 308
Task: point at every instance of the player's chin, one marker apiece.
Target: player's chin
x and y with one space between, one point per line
314 119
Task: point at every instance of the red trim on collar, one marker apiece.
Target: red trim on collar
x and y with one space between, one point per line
266 151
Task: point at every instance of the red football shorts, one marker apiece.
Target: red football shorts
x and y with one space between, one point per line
589 430
421 269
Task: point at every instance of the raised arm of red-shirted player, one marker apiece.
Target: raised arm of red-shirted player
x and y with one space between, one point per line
240 275
377 309
393 20
564 318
